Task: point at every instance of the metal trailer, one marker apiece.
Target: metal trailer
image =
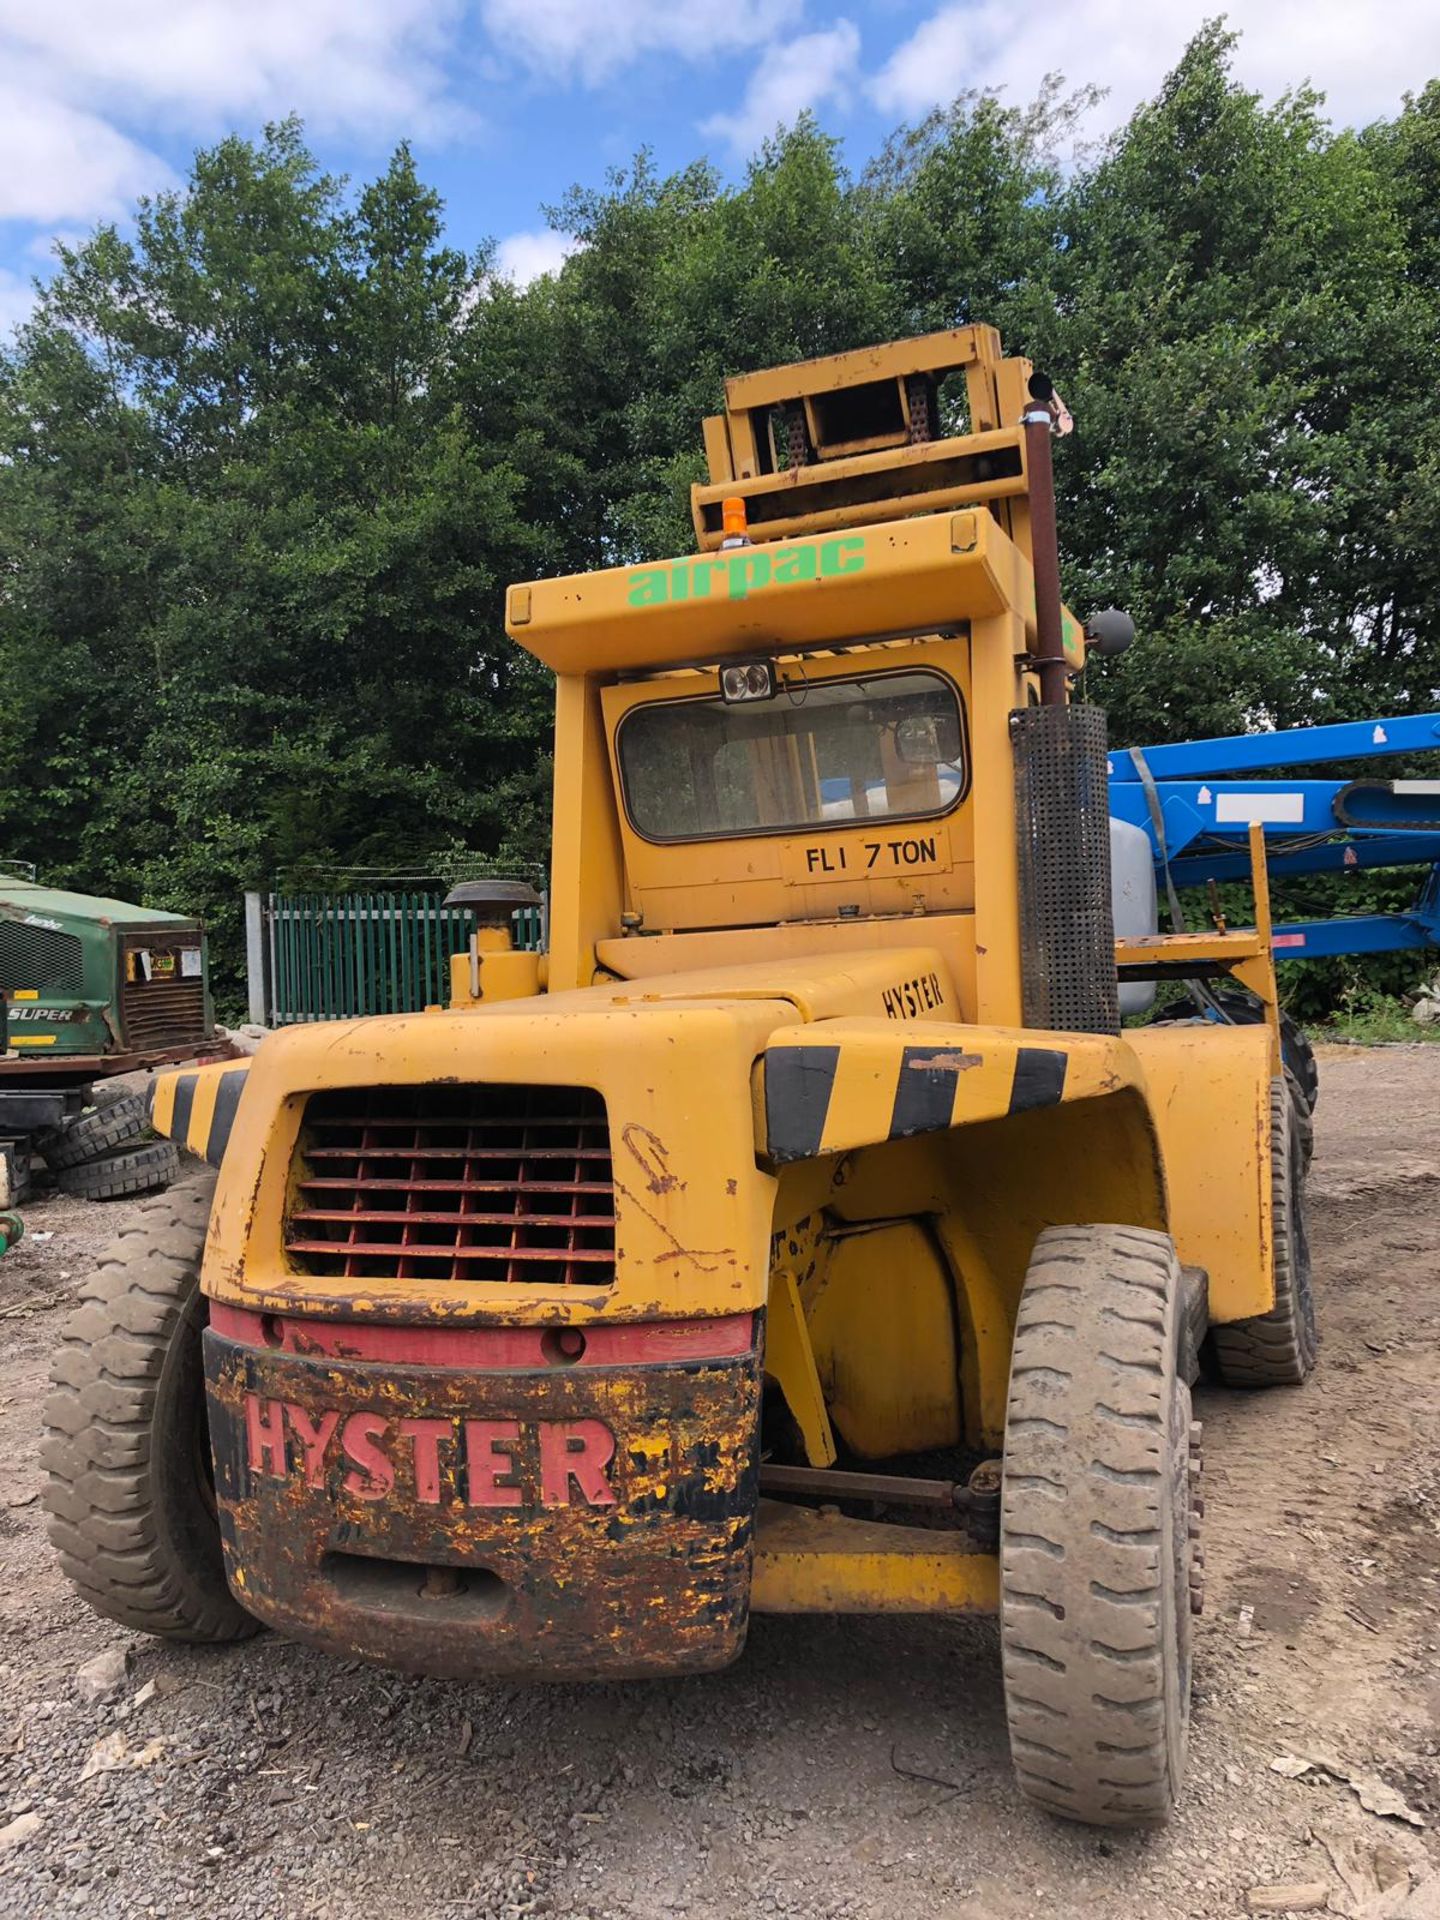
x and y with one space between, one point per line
1193 802
97 986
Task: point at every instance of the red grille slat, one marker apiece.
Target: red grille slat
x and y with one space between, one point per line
328 1185
313 1216
487 1183
461 1153
393 1249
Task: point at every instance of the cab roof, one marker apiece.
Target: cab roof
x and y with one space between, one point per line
886 581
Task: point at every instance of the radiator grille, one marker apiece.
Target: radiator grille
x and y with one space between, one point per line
168 1010
484 1183
35 958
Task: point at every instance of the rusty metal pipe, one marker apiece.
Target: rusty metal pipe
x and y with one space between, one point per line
975 1506
829 1484
1048 651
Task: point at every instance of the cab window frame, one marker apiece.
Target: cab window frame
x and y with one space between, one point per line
856 822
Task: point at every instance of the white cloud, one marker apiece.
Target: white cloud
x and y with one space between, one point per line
791 77
943 56
341 62
77 72
523 257
592 40
60 162
1129 49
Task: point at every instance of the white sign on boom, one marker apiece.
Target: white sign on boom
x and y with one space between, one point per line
1263 809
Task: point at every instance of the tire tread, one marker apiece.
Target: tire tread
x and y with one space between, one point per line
1278 1348
1097 1721
99 1130
99 1494
128 1170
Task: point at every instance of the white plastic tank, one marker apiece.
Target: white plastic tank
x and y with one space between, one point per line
1132 900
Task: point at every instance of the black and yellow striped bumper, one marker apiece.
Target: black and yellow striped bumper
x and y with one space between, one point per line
196 1107
839 1084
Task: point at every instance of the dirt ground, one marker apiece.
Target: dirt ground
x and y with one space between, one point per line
850 1768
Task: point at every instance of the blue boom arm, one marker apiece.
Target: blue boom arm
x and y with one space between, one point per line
1311 826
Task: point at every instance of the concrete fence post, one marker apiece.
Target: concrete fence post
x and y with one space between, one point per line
256 971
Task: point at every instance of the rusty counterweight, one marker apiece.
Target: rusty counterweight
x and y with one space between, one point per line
561 1522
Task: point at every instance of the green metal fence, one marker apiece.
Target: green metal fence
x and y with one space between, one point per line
332 956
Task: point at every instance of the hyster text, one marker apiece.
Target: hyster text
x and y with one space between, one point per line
909 997
478 1463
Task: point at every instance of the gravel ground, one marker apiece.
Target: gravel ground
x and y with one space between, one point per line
852 1768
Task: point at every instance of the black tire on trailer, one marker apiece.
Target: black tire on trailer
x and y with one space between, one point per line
100 1129
103 1094
128 1170
1098 1565
1278 1348
128 1493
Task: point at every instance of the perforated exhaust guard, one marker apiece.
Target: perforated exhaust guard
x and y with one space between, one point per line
1062 825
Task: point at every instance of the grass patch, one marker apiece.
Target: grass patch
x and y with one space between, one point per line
1368 1018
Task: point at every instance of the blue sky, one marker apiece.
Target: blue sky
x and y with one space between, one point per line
510 101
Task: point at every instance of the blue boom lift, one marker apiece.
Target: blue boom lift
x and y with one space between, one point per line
1193 802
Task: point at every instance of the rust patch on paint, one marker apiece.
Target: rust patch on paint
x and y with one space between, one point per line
702 1259
651 1155
951 1062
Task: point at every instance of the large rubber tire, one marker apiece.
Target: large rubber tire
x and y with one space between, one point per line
126 1171
126 1448
100 1129
1277 1349
1097 1557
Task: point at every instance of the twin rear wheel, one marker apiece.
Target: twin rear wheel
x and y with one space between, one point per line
1277 1349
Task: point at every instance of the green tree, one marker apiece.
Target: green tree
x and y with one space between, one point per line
269 457
1228 318
255 546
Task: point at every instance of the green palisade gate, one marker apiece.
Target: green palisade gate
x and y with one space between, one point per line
336 955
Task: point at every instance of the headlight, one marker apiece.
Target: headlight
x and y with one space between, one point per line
753 680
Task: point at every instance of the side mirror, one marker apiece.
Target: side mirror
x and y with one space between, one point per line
1109 632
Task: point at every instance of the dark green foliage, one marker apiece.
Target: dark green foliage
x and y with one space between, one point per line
257 551
267 465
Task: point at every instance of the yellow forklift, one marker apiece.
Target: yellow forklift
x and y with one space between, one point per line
799 1233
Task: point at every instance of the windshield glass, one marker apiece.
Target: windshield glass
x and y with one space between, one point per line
885 747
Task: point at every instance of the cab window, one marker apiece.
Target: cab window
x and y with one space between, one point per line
885 746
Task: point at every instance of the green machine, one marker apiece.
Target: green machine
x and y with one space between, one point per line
91 987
